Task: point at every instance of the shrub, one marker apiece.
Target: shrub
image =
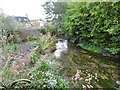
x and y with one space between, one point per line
43 31
45 43
7 26
96 23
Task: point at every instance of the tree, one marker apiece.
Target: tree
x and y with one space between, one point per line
55 11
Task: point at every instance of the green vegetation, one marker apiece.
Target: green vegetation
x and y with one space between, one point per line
7 26
55 12
40 73
41 78
46 79
93 24
34 57
45 43
11 48
42 31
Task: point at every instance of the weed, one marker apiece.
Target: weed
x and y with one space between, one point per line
34 57
42 30
11 48
15 47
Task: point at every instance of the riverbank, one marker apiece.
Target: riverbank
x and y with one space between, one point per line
85 69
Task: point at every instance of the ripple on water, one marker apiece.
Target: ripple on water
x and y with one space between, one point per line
61 47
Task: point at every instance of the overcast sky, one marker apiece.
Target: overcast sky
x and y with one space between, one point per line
22 7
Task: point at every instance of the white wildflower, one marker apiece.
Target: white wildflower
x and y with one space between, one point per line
48 74
49 62
52 82
89 79
81 78
89 75
83 86
91 86
86 79
44 86
72 78
96 75
88 86
97 79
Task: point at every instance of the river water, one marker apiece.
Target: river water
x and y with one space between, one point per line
85 69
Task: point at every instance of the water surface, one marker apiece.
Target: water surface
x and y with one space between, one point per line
86 69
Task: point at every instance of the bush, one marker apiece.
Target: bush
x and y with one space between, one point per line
45 43
52 28
42 30
7 26
95 23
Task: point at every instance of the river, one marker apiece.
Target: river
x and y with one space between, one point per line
85 69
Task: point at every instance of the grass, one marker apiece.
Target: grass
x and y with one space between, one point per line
11 48
105 83
98 49
92 48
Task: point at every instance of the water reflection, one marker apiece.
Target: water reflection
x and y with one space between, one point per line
61 47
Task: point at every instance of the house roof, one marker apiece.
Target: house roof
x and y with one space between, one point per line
22 19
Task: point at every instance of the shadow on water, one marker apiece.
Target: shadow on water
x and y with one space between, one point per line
94 69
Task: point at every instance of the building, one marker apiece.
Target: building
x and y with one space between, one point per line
24 21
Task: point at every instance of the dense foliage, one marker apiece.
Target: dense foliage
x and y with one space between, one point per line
54 12
95 24
7 27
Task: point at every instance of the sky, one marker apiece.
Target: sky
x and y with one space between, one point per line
32 8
